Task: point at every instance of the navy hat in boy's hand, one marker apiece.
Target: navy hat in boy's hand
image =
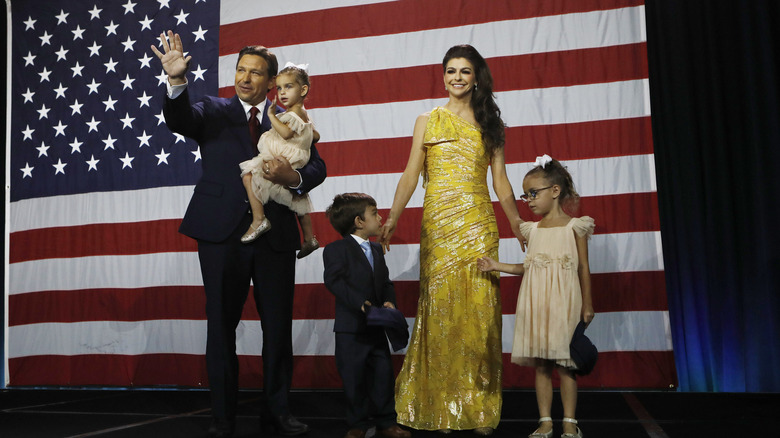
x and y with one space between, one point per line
396 327
582 351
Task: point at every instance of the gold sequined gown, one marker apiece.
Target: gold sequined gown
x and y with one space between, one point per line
451 376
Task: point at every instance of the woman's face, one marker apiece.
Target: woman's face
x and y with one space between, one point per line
459 77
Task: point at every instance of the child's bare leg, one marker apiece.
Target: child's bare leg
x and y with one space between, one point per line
544 394
306 227
568 398
258 213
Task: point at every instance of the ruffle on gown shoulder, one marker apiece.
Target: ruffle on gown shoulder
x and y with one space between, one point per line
293 121
440 128
583 226
526 227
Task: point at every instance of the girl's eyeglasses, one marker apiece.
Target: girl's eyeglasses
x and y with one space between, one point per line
531 195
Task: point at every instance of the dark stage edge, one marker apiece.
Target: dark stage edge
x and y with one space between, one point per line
185 413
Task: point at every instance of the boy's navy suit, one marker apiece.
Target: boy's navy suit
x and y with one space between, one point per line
362 352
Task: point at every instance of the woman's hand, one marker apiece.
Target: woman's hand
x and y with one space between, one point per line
516 230
387 232
487 264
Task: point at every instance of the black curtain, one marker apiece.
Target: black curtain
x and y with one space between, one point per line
714 70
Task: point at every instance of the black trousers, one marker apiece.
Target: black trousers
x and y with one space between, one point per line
227 268
363 361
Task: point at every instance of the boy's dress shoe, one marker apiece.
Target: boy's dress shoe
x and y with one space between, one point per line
393 431
355 433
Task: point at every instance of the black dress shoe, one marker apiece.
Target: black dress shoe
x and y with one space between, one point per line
221 428
285 425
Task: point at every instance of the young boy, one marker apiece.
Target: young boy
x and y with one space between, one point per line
356 273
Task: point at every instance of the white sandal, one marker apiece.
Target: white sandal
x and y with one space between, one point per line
571 435
537 434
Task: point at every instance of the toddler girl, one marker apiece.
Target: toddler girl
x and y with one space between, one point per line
555 292
291 138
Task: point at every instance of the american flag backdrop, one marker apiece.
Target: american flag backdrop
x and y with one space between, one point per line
102 290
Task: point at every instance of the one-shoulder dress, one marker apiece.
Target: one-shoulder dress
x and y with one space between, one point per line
451 376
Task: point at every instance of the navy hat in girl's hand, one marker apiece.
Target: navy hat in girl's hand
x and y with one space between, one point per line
582 351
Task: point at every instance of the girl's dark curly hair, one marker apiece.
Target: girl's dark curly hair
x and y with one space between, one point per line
482 100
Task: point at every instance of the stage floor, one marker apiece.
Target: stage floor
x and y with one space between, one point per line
185 413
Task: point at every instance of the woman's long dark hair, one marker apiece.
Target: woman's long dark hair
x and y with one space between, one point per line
483 103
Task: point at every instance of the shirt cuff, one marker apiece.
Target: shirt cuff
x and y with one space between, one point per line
175 91
300 181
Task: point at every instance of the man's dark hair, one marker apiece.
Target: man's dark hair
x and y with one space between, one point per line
345 208
270 58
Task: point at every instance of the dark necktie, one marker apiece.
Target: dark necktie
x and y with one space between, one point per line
254 127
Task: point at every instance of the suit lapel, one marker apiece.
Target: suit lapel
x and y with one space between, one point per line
358 253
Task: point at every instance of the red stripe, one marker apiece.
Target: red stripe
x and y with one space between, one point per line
162 236
643 217
520 72
99 239
643 369
571 141
613 292
393 18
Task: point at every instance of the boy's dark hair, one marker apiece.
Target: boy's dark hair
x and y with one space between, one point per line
345 208
263 52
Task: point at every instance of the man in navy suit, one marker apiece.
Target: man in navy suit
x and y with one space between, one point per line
218 215
356 273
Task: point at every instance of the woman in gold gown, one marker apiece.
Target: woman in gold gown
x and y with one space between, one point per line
451 376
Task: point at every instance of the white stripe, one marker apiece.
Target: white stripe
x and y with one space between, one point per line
427 47
100 208
608 253
619 252
235 11
615 331
540 106
595 177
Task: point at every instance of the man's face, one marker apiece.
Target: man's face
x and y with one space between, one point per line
252 79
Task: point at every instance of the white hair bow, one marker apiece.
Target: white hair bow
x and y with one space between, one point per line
304 67
543 161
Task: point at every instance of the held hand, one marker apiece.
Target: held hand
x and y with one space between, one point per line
486 264
173 61
516 230
587 313
389 305
387 232
363 307
280 171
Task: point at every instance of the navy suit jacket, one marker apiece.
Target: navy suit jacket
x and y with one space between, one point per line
219 202
349 277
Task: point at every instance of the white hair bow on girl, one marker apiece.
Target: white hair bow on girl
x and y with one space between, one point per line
304 67
543 161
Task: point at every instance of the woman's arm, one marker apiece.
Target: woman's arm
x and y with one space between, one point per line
583 271
505 194
408 182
